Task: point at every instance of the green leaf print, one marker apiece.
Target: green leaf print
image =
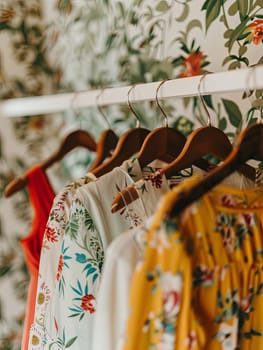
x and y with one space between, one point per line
78 290
212 11
184 14
255 332
61 343
243 7
95 277
233 9
61 286
72 228
88 221
70 342
162 6
237 32
233 111
195 23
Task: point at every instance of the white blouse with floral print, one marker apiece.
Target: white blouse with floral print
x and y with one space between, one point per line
51 247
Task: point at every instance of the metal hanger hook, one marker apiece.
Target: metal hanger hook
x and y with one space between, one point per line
203 101
138 123
73 107
100 109
257 104
158 103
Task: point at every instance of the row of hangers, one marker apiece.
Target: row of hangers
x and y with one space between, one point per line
204 141
169 140
167 144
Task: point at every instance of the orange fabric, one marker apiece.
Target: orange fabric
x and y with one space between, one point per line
41 198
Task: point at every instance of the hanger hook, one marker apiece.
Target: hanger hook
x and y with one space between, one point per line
73 108
100 109
258 103
158 103
203 101
138 123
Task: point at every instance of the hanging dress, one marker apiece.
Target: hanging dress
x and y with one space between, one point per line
199 285
127 249
41 198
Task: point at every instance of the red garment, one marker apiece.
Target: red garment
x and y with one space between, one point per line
41 198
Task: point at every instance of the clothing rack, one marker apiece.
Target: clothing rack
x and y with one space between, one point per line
222 82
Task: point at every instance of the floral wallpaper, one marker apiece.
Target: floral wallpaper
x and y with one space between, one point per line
150 40
65 45
24 71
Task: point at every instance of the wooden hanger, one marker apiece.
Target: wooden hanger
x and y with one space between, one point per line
105 147
164 143
77 138
205 141
161 143
201 142
128 145
107 141
249 146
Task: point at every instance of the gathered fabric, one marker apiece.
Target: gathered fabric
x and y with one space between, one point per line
199 285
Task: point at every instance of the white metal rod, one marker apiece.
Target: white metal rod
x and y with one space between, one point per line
235 80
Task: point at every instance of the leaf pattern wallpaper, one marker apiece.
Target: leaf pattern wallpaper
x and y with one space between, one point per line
24 71
71 45
151 40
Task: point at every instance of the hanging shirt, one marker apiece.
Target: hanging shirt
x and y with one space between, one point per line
49 259
200 283
126 250
122 256
90 229
41 197
112 302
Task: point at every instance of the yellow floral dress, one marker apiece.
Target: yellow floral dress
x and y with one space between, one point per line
200 283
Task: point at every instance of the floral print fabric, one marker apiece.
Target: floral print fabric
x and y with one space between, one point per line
49 260
200 283
126 250
146 192
88 231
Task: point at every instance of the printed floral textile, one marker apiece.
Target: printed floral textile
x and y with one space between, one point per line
200 283
88 231
50 261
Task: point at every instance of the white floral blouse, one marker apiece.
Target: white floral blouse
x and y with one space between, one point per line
51 247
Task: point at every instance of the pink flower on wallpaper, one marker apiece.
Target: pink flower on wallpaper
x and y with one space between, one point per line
256 29
192 65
